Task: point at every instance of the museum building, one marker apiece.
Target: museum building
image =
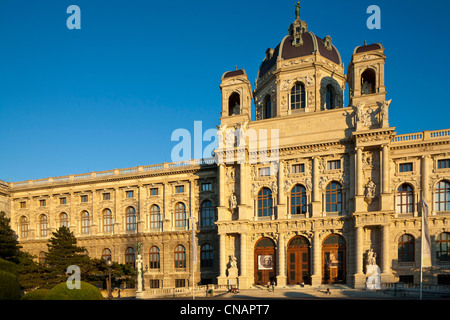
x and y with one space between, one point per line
335 183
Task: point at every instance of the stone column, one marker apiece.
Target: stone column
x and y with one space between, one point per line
281 277
281 205
385 268
358 251
222 256
359 173
316 278
243 279
425 172
385 169
359 276
221 185
316 203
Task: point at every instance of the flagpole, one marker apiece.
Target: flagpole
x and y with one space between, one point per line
194 252
421 253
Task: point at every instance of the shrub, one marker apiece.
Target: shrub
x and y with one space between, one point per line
8 266
38 294
86 292
9 286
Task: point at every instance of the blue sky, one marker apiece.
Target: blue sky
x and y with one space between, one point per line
111 94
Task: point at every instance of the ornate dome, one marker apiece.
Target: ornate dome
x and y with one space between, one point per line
299 43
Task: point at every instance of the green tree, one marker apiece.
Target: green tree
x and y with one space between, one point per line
62 253
9 248
31 274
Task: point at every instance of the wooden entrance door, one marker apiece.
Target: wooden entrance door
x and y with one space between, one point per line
333 259
298 261
265 262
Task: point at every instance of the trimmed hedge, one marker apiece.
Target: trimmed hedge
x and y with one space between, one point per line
8 266
9 286
38 294
86 292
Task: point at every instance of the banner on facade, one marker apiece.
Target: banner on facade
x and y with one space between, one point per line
265 262
426 240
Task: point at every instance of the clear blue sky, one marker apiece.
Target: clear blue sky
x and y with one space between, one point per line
111 94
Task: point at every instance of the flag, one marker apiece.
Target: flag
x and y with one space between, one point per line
426 240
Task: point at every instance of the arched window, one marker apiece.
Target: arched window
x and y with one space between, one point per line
63 220
267 108
405 199
334 259
442 196
206 255
85 223
41 257
330 96
265 203
155 217
180 256
234 104
153 258
368 82
406 248
443 247
43 225
107 221
333 197
207 214
298 200
131 219
129 256
23 227
180 215
106 254
298 96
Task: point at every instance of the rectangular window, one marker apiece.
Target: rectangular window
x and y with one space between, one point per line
444 164
130 194
180 283
334 165
264 172
23 205
154 283
298 168
42 203
179 189
405 167
154 191
107 196
84 198
206 186
62 200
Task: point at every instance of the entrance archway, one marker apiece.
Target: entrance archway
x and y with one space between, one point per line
298 257
265 261
333 259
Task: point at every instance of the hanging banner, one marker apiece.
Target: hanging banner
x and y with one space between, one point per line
265 262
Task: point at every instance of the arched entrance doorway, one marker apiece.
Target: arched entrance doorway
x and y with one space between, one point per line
265 261
298 261
333 259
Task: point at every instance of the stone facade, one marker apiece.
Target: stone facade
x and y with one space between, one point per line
334 183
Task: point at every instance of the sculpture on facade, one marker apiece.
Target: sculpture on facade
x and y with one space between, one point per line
139 262
373 273
370 190
233 201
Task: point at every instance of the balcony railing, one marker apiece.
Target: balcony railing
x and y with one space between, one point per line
115 172
421 136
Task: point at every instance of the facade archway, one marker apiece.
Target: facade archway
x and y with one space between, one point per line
333 259
298 261
265 261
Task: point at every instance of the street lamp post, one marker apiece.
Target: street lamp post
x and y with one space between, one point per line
109 263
